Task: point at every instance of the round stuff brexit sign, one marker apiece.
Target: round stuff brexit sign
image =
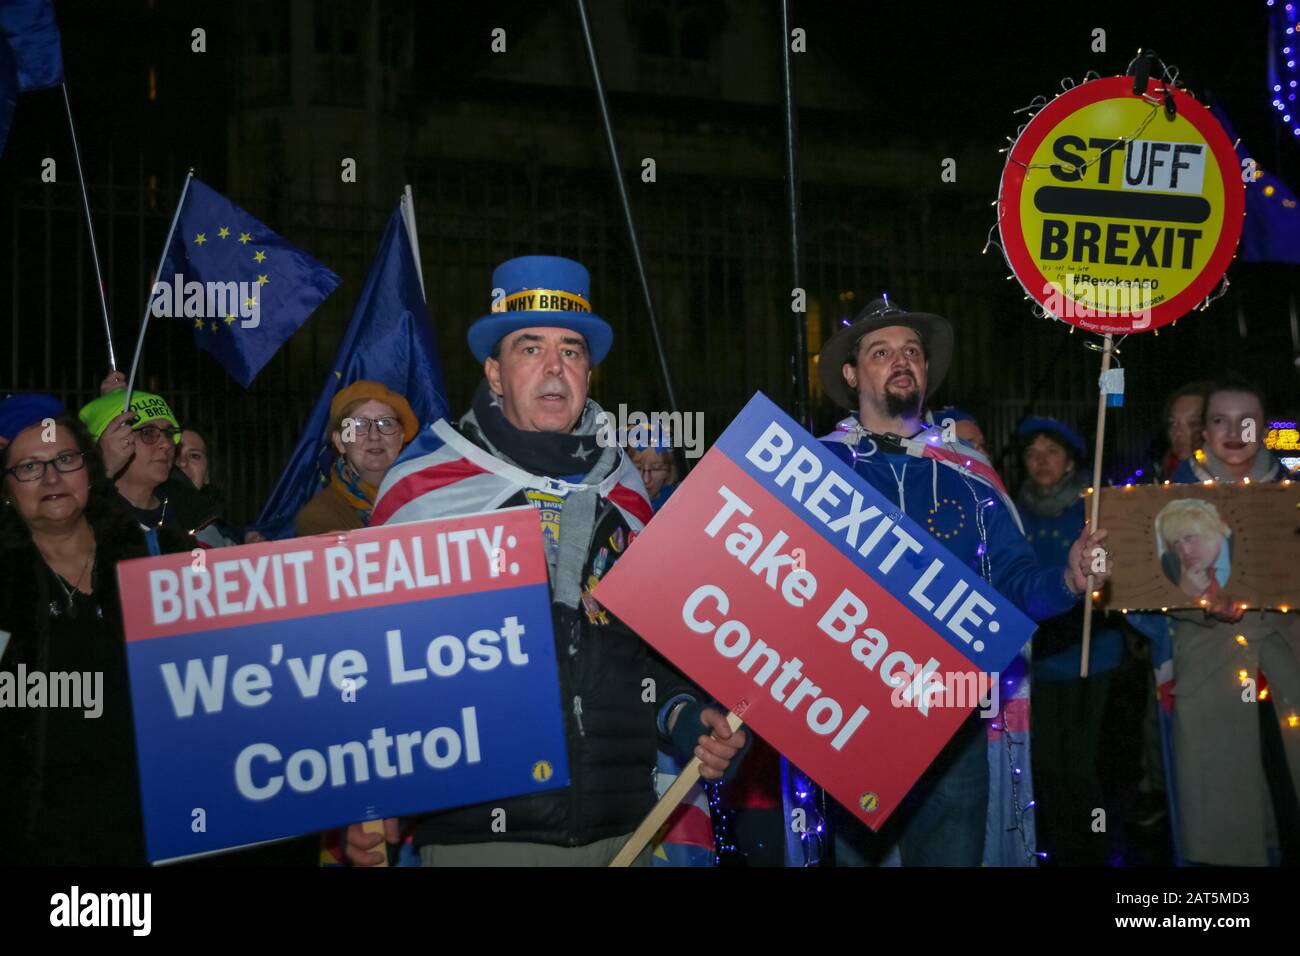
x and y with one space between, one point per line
1115 217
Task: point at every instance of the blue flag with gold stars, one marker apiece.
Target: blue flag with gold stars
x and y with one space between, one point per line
1271 231
389 340
242 288
31 57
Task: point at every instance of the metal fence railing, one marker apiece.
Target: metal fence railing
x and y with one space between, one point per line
715 251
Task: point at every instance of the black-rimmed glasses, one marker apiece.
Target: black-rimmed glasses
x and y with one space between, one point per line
35 470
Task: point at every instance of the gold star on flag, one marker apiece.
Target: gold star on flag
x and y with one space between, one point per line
223 232
198 323
214 326
263 280
200 239
229 319
249 303
259 256
245 238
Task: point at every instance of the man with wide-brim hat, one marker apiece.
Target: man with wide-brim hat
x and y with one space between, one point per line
533 437
883 366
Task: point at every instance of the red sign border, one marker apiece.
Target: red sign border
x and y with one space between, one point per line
1013 180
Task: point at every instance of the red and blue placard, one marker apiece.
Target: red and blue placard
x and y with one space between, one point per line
300 685
802 599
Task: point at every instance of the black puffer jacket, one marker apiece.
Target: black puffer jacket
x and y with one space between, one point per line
611 731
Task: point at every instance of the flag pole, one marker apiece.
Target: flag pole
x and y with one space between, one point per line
603 104
800 356
90 230
669 802
408 217
148 299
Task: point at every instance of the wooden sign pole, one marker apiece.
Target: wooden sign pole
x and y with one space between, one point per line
662 810
1107 349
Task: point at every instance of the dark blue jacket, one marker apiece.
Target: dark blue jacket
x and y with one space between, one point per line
1058 645
944 503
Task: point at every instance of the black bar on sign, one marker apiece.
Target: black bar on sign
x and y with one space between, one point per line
1120 204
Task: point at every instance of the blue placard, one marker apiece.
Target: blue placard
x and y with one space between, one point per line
267 729
785 460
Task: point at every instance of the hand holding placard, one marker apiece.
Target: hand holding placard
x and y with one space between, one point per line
782 579
293 686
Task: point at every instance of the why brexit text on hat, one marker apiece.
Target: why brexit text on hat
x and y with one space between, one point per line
295 686
804 600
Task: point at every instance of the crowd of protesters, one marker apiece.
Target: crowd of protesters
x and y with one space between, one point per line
83 491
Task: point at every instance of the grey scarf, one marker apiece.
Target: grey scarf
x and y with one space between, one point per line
578 519
1264 468
1050 502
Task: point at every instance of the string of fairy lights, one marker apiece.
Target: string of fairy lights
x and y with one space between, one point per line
1010 739
1168 84
1283 76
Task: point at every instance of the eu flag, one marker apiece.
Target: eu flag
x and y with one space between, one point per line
389 340
30 55
243 288
30 32
8 90
1271 231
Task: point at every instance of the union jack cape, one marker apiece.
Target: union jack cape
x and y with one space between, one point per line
957 455
442 474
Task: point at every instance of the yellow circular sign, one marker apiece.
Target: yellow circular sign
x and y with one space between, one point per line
1115 216
542 771
868 801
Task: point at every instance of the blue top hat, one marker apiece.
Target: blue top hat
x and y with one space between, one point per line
540 291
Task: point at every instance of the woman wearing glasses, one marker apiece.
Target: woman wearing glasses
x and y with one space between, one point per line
138 449
369 425
70 794
659 472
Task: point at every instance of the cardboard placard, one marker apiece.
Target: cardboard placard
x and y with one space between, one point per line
1173 545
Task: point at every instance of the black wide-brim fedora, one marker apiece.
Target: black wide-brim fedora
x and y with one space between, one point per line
936 338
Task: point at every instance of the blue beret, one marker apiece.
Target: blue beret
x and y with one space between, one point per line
1065 436
18 412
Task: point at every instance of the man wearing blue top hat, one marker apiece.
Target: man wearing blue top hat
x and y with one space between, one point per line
532 416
